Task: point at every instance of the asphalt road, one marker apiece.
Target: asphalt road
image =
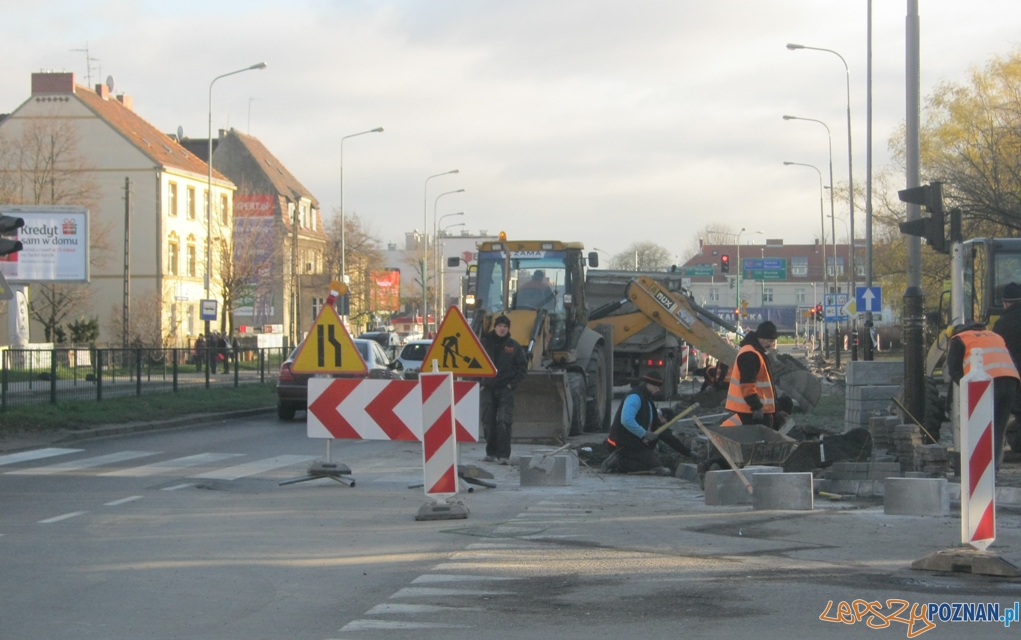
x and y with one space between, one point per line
187 534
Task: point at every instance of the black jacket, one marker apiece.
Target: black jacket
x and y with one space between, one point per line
509 359
646 415
1008 326
748 364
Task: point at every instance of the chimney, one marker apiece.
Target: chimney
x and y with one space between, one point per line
127 101
46 82
103 91
222 134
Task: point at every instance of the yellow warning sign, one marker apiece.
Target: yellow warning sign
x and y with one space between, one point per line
328 348
456 349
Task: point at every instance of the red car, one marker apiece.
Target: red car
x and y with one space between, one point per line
292 388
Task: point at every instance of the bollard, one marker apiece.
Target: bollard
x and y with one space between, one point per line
99 375
138 372
53 376
174 351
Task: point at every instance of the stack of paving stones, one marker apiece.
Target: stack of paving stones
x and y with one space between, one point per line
870 387
932 460
881 429
905 438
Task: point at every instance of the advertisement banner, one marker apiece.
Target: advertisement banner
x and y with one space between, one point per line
253 206
386 290
56 244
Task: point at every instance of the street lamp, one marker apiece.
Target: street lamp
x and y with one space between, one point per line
343 222
425 250
833 231
822 224
438 290
209 190
850 166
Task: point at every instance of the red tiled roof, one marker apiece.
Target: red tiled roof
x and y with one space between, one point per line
283 180
159 147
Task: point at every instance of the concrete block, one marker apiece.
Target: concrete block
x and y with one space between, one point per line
862 372
788 491
565 470
917 497
725 488
687 472
873 392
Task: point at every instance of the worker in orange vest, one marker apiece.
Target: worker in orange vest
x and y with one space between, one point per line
996 361
751 394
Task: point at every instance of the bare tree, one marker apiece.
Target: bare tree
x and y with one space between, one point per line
241 257
641 256
712 233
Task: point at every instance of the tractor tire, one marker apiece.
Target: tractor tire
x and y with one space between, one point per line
286 411
576 387
935 408
1014 434
595 391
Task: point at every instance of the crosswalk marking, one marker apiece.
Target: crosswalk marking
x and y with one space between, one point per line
365 625
167 466
116 503
38 454
178 486
433 578
252 468
434 592
85 463
66 516
394 607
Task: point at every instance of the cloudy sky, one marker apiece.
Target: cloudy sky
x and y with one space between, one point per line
607 122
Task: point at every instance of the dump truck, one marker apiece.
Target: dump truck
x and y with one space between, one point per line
540 286
649 302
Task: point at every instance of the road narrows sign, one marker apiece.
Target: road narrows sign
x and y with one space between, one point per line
328 348
456 349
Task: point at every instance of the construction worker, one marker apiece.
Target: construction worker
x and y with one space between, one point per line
751 394
996 361
496 397
633 434
1008 325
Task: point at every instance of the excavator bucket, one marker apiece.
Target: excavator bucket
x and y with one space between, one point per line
543 408
796 381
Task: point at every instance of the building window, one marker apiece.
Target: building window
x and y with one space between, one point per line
767 294
304 215
799 266
190 203
172 258
205 203
799 294
840 265
714 295
189 257
317 306
172 199
859 269
191 319
224 213
315 223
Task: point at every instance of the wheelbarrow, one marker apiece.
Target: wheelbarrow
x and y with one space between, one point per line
752 444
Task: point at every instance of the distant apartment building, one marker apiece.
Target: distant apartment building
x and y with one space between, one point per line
110 150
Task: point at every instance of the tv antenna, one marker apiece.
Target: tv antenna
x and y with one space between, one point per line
88 64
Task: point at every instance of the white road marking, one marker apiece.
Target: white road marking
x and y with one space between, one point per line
25 456
122 501
433 578
364 625
433 592
172 465
85 463
499 545
393 607
66 516
252 468
178 486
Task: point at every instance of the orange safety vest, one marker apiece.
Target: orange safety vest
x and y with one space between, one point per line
762 387
996 359
733 421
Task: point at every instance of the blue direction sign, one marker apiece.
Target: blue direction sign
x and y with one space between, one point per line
832 305
869 299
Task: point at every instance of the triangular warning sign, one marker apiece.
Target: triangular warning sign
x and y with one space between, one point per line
328 348
457 349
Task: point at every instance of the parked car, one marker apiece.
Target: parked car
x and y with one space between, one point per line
292 388
389 340
411 357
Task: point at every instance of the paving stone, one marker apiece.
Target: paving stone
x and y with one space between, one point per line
789 491
725 487
917 497
870 372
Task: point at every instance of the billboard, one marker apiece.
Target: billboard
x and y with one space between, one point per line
56 244
386 290
253 206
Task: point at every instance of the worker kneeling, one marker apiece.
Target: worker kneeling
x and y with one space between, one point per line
632 435
751 394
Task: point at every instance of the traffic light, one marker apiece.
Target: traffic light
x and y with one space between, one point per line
932 228
725 263
818 311
8 226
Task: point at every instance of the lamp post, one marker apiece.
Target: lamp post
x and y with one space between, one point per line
343 220
850 166
209 193
438 290
425 250
822 224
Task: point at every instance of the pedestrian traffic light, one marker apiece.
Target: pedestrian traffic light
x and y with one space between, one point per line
725 263
8 226
932 228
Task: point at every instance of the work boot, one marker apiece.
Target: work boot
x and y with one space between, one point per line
503 461
489 459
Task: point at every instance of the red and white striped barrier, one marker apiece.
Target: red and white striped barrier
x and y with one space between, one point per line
978 468
439 446
685 350
360 409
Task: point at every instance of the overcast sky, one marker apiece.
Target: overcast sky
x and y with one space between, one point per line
595 121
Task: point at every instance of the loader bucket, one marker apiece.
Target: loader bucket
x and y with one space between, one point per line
796 381
542 408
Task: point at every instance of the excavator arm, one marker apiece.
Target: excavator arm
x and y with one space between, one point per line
678 315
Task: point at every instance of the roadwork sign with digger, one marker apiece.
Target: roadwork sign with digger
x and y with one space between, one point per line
456 349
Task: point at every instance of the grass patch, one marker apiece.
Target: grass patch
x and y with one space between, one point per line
828 413
75 414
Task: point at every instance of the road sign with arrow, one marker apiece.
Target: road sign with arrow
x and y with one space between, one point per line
869 299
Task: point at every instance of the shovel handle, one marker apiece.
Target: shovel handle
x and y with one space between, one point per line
676 418
726 456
